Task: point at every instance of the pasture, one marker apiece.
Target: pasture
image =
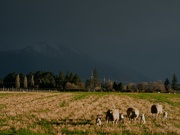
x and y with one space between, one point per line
50 113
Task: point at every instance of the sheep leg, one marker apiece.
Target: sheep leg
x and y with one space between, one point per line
106 122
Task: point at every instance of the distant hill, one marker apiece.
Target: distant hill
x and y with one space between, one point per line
54 57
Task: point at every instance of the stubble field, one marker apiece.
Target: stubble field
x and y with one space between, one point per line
48 113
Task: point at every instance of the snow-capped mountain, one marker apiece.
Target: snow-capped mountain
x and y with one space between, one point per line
51 49
54 57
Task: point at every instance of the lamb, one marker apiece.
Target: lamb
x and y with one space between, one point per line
112 115
121 118
156 109
98 120
142 119
165 114
132 113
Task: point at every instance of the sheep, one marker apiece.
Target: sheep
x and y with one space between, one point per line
132 113
142 119
112 115
121 118
156 109
98 120
165 114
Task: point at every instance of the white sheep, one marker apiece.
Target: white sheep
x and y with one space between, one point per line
156 110
112 115
142 119
121 118
165 115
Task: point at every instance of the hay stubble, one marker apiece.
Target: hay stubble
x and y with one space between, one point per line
57 113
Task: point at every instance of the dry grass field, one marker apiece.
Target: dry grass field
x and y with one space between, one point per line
43 113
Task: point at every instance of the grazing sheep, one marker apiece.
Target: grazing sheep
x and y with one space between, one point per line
132 113
156 109
142 119
121 118
98 120
112 115
165 114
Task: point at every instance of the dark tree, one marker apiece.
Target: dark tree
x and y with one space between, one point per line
76 80
38 76
21 76
167 84
44 79
115 86
1 83
87 83
60 80
68 77
9 80
48 80
174 82
120 86
95 78
71 77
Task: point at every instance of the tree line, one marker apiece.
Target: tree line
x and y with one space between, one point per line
156 86
42 79
72 81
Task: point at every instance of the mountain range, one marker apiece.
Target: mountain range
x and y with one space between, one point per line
55 57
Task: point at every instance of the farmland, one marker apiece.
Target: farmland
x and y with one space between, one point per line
51 113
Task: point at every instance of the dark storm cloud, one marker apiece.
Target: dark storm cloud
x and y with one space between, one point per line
93 21
139 33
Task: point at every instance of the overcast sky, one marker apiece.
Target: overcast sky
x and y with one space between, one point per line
142 34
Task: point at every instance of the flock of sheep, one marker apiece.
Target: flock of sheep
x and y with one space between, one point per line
115 116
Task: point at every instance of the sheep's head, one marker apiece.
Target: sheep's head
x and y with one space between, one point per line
121 116
110 111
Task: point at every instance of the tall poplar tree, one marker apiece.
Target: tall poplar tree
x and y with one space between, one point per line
32 80
17 83
25 82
